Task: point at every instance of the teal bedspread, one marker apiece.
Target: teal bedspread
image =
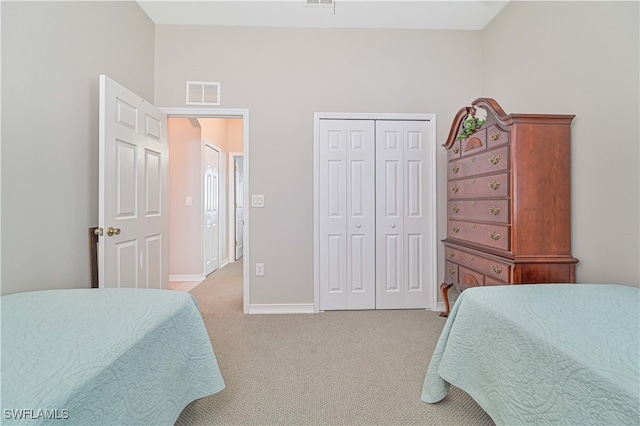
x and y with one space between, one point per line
543 354
103 357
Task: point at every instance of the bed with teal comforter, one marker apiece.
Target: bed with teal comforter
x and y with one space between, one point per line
543 354
103 357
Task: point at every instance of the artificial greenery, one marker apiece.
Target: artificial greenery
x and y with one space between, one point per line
469 125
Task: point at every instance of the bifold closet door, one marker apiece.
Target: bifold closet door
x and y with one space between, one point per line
402 195
347 214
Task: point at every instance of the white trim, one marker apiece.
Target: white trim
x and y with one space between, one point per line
289 308
232 210
229 113
440 307
433 262
224 263
187 278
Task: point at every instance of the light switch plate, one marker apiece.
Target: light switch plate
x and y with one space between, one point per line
259 269
257 200
188 201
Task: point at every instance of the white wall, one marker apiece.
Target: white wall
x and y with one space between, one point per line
580 58
52 56
186 234
283 76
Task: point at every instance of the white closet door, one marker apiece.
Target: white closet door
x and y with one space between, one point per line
402 228
347 214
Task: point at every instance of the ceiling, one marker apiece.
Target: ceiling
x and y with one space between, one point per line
425 14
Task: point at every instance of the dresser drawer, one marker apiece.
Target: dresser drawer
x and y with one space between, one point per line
480 210
469 278
482 187
493 271
496 236
474 143
493 161
492 281
496 136
454 151
450 272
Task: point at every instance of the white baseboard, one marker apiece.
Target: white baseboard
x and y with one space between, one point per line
290 308
224 263
187 278
440 307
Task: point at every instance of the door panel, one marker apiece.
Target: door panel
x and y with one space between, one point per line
401 228
133 183
347 215
211 213
239 206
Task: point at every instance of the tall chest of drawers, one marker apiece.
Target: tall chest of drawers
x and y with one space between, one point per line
508 199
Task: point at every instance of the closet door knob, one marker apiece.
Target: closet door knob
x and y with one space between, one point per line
393 225
358 225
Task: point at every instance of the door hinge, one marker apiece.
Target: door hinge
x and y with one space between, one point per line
236 244
99 232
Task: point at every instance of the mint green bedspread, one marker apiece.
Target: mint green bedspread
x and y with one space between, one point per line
543 354
103 357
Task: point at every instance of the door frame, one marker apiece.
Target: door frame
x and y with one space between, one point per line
227 113
232 211
433 261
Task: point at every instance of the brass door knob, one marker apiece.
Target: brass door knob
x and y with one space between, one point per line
111 231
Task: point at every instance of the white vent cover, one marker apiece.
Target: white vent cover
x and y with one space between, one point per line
203 93
319 2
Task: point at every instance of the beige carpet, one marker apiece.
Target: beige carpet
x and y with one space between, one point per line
333 368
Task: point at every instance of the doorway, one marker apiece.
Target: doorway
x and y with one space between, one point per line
240 120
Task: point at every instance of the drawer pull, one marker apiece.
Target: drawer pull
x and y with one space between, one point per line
494 210
494 185
456 169
473 159
451 253
451 270
456 150
496 269
494 236
470 257
473 226
456 229
494 136
473 181
455 189
455 209
473 203
494 160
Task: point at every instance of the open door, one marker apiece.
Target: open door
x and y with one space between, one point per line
239 204
133 187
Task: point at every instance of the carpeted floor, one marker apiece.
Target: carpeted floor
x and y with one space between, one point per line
332 368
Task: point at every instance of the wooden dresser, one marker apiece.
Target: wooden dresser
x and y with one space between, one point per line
508 200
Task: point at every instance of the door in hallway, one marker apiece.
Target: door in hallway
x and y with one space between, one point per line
238 189
211 214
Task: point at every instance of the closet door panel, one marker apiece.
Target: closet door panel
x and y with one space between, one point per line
390 272
347 212
416 201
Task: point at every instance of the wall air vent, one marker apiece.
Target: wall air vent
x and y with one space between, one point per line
319 2
203 93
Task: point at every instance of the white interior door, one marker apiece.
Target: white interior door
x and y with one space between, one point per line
239 204
402 219
347 215
211 213
133 187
